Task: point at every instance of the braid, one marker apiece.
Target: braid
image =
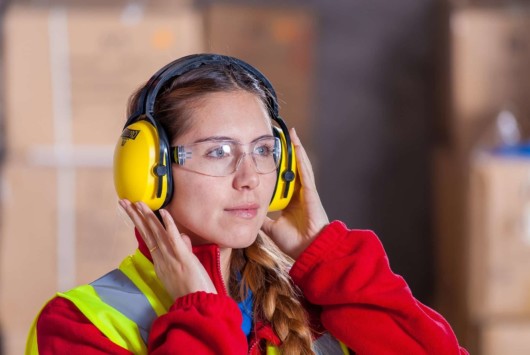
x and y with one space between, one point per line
265 272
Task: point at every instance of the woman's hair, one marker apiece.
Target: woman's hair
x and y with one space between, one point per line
265 271
179 97
261 268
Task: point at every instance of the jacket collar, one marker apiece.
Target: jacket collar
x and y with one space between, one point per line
209 256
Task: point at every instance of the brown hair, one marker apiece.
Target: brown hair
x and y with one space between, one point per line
262 267
265 271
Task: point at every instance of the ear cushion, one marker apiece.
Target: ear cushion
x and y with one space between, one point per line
138 175
286 181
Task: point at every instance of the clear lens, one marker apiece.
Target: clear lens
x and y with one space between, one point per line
222 158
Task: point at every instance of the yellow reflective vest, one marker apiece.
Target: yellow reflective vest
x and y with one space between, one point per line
124 303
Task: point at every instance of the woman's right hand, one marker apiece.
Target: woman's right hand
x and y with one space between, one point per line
175 264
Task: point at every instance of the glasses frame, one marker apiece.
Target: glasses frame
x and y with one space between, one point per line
181 153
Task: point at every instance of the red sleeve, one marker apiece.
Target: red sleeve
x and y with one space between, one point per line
199 323
364 304
63 329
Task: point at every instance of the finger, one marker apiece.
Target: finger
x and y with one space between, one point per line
136 216
159 233
305 168
179 242
168 222
301 154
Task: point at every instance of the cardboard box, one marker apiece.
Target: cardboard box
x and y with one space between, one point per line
280 42
67 82
499 231
488 63
69 71
60 228
490 52
505 337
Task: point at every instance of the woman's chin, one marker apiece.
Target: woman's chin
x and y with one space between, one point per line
225 235
240 238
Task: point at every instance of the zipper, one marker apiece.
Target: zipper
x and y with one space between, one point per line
254 344
254 341
219 270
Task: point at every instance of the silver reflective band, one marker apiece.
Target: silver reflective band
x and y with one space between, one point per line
119 292
327 345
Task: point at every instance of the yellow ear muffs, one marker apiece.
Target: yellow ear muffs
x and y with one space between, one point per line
142 168
138 172
286 181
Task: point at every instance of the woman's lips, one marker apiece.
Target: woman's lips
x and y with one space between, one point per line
246 211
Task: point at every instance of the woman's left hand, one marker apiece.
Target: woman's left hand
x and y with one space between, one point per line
304 217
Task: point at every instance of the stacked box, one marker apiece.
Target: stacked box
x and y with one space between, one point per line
490 54
70 68
280 42
483 277
503 337
499 254
69 71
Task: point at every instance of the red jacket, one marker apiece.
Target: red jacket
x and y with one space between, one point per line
344 272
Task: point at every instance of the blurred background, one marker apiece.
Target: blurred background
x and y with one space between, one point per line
414 112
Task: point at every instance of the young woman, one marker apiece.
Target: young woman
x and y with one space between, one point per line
213 274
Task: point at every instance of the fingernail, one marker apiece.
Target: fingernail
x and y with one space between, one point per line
122 203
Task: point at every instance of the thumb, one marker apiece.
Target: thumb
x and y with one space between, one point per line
267 225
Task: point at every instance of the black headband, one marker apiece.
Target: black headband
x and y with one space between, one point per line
148 95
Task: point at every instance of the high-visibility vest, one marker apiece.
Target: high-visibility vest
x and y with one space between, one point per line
124 303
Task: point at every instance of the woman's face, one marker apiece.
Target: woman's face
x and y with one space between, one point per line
228 210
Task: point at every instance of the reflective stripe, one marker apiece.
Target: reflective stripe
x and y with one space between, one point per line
344 348
32 347
272 350
119 292
141 272
111 322
328 345
116 305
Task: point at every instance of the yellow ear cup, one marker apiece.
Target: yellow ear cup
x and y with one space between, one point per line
281 198
136 157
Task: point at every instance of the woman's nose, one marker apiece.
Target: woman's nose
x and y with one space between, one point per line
246 174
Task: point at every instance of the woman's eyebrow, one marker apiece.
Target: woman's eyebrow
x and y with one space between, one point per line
215 139
261 137
229 139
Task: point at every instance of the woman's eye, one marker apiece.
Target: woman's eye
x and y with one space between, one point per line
263 150
219 152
